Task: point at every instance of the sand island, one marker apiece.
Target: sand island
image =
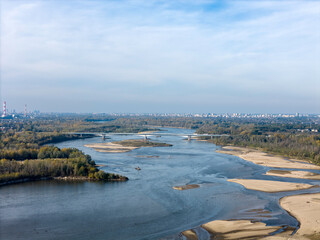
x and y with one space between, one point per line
270 186
125 145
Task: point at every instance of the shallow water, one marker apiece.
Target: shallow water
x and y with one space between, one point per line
145 207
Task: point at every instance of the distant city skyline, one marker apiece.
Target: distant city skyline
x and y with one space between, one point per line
161 56
10 112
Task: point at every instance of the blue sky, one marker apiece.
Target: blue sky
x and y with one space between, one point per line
161 56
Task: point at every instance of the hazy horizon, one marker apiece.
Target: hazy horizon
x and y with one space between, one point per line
161 56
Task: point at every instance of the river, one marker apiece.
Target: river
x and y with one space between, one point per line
146 206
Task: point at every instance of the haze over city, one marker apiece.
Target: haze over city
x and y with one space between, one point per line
161 56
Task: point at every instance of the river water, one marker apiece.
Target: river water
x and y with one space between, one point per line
146 206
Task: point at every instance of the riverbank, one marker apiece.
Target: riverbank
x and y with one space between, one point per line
294 174
265 159
305 208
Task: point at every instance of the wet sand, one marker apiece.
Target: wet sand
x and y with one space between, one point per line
264 159
270 186
294 174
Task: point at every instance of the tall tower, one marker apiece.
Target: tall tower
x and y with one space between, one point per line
4 112
25 110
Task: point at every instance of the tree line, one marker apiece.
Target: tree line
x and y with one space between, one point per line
54 162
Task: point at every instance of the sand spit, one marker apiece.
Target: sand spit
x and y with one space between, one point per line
186 187
239 229
270 186
110 147
264 159
306 209
190 235
294 174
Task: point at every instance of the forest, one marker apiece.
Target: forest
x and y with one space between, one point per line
25 155
52 162
281 137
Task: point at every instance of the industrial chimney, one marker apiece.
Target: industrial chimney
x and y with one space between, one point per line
4 113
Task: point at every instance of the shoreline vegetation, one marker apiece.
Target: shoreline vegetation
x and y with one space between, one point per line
52 162
24 156
66 178
125 145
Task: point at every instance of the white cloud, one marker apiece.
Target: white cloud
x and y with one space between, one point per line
264 47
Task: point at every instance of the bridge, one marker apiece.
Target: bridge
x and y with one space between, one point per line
146 135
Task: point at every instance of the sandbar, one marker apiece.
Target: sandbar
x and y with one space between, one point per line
124 145
270 186
110 147
190 235
265 159
239 229
306 209
186 187
146 132
294 174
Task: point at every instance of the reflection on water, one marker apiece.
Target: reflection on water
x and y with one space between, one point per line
145 207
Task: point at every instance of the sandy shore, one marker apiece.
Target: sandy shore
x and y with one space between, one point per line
239 229
264 159
306 209
190 235
110 147
270 186
294 174
186 187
